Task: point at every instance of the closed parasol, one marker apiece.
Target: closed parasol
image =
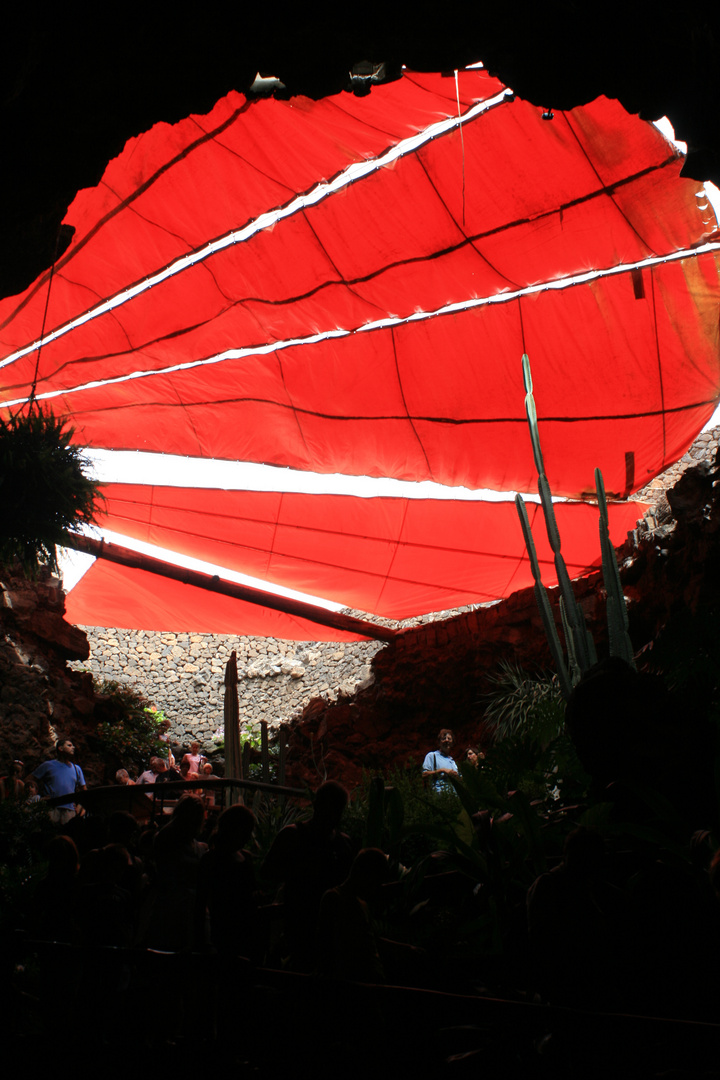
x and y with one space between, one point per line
231 716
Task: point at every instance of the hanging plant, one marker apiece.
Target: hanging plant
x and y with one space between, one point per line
44 488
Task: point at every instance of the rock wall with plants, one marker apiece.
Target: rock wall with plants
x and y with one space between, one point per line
438 675
40 696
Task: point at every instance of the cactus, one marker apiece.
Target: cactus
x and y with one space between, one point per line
543 601
574 618
617 617
580 646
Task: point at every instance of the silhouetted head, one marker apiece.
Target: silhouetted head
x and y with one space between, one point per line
189 815
330 800
235 827
368 872
63 858
122 828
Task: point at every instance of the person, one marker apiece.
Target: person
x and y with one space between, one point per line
164 737
226 887
61 776
346 943
11 786
574 918
438 763
177 859
157 766
186 770
122 777
32 795
473 756
308 858
169 775
195 758
206 773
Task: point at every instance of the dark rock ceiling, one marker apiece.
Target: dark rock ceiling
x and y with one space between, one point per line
72 91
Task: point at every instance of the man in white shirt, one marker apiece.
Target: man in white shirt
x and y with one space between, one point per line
157 766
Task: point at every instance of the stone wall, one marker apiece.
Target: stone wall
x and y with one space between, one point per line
40 698
704 448
182 674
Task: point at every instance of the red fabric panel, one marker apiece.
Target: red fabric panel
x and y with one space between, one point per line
391 557
626 367
394 404
515 201
112 595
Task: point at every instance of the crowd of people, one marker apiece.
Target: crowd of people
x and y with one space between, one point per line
190 882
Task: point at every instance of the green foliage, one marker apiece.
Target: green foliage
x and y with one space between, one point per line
531 751
44 488
272 813
129 734
399 813
250 735
546 771
521 703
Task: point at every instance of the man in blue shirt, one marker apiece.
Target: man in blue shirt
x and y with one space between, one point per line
438 763
61 776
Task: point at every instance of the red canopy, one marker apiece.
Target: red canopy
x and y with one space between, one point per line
348 286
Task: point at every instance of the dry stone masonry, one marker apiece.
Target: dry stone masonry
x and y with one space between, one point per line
182 674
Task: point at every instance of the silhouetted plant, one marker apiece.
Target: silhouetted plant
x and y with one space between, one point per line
25 831
272 813
399 813
45 488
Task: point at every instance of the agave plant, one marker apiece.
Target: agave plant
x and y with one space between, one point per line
45 489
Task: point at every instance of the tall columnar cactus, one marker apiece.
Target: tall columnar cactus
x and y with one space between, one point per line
543 602
617 617
580 646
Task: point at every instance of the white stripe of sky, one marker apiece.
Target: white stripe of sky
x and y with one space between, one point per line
357 171
378 324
